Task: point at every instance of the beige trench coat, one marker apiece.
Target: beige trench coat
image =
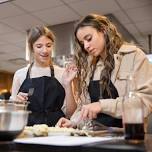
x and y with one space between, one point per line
128 59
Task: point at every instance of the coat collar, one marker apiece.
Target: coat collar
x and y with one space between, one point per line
126 48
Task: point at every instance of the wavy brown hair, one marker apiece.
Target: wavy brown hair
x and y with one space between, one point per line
113 42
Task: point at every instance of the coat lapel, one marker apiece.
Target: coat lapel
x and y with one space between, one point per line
117 59
125 49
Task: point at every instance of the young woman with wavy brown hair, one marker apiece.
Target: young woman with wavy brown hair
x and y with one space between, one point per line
104 61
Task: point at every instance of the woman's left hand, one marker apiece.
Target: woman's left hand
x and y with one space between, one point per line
69 74
90 111
63 122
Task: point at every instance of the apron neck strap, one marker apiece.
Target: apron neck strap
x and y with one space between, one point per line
29 71
52 70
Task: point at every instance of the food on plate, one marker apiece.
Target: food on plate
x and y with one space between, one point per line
40 130
60 131
44 130
27 132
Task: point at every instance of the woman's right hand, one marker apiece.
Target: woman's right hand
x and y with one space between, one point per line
63 122
69 74
22 97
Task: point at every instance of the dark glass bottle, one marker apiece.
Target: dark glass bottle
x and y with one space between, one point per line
133 114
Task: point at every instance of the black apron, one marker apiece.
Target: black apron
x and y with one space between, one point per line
96 93
47 99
